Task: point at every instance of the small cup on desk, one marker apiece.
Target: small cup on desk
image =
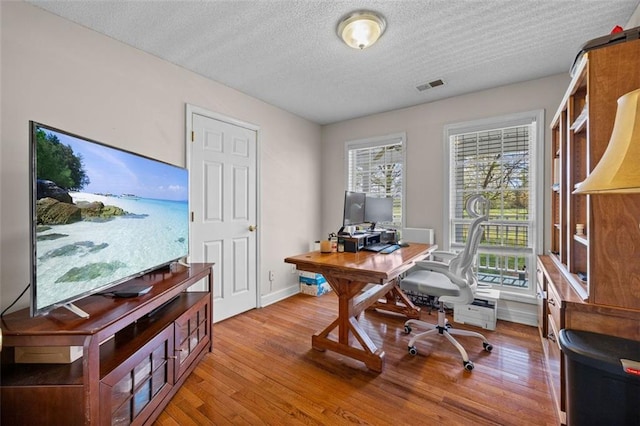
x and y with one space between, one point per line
325 246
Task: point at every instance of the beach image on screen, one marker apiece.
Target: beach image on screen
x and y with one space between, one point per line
102 215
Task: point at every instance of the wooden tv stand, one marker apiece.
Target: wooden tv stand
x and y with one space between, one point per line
136 353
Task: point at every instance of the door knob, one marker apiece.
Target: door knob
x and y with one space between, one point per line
252 228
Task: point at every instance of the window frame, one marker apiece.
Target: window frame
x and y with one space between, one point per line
377 141
536 117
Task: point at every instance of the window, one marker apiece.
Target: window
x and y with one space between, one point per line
499 159
376 167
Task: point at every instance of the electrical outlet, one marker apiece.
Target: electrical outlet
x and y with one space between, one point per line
293 269
272 276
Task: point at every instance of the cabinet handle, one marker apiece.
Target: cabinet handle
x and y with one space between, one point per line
551 337
172 357
552 302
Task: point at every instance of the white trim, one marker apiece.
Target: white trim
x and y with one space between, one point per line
539 180
536 172
189 111
524 316
271 298
381 141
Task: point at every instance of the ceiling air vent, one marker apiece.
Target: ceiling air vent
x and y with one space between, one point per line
430 85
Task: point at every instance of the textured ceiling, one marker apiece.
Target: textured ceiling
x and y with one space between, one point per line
287 52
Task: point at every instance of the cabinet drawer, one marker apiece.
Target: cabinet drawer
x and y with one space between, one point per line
554 307
541 301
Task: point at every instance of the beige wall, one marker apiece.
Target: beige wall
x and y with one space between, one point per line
424 126
634 21
66 76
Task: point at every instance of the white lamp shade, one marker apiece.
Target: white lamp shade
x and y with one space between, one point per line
361 29
619 168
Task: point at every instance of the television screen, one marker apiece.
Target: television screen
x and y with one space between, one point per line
378 210
100 216
354 205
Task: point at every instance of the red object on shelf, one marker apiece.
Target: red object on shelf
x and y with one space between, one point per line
617 29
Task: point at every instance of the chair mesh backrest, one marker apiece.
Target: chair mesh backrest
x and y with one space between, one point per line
461 264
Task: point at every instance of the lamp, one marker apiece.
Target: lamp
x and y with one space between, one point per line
361 29
619 168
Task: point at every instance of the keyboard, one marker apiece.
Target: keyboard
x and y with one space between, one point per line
376 247
390 249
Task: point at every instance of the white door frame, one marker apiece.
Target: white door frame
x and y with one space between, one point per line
192 109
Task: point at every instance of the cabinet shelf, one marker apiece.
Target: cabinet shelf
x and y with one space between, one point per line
581 239
42 374
580 122
126 342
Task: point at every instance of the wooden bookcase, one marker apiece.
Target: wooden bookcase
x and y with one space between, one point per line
589 281
136 353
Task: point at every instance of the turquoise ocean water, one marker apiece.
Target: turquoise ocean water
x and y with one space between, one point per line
86 256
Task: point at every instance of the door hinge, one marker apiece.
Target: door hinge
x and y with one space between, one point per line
192 216
193 136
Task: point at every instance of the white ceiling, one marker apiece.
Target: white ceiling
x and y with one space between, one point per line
287 52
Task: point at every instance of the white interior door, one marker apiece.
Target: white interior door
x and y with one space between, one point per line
224 214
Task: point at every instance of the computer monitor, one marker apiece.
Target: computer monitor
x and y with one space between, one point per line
354 208
378 209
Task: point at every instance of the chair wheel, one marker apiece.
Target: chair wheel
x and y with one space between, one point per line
413 350
407 329
468 365
487 346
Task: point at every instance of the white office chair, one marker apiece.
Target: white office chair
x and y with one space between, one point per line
452 281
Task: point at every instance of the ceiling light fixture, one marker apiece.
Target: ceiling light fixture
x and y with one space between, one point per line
361 29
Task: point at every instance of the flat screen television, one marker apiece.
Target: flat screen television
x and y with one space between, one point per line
354 206
100 216
378 210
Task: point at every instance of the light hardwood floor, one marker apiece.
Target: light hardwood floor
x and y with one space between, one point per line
264 371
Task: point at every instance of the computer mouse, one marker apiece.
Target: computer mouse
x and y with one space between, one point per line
403 244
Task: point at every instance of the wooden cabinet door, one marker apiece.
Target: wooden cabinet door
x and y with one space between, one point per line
134 389
192 334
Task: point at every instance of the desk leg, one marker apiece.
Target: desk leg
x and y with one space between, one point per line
398 302
347 325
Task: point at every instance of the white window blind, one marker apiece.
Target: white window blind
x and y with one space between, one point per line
376 167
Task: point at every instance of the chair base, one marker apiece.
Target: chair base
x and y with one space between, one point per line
444 328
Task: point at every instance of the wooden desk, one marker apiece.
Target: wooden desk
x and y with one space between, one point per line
348 274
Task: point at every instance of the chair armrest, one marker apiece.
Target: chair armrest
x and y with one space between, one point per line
444 253
441 268
432 265
446 256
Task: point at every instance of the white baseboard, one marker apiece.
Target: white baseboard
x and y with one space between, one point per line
271 298
521 316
